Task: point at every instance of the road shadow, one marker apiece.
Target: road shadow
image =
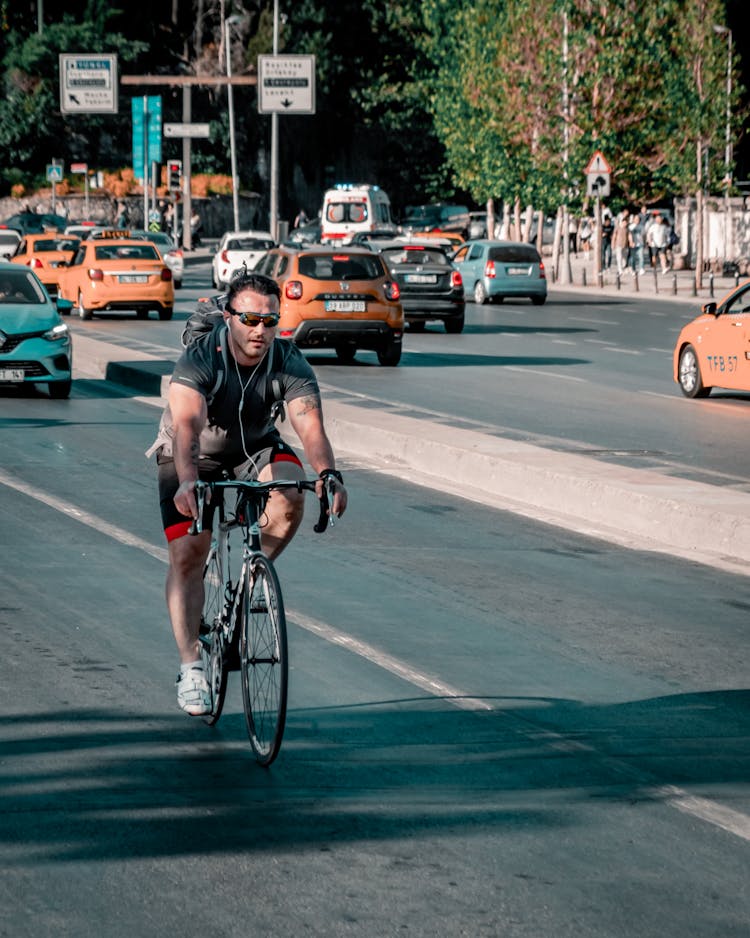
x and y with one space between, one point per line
93 784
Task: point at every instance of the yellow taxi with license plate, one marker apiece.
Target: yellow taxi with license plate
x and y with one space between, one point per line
713 351
45 254
116 273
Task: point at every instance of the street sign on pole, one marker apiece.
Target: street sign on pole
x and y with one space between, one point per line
187 130
597 184
598 164
286 84
54 172
146 113
88 84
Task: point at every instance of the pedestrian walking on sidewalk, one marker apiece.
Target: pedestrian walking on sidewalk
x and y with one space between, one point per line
621 245
636 245
659 235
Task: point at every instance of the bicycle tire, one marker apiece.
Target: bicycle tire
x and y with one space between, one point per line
264 661
212 637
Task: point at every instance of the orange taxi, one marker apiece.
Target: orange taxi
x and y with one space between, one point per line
116 273
713 351
44 254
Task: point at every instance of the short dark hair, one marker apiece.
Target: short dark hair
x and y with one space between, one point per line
249 280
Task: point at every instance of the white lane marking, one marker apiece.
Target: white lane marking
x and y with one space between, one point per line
563 342
662 351
545 374
599 322
624 351
387 662
665 397
596 341
729 820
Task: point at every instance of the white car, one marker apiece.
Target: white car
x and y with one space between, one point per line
170 252
9 241
237 248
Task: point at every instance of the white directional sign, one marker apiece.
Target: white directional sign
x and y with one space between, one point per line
286 84
88 84
597 184
187 130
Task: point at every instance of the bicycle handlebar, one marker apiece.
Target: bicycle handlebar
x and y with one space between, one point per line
263 489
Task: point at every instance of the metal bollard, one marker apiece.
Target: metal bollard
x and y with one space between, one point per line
617 279
635 278
711 285
674 284
584 276
695 289
736 278
656 281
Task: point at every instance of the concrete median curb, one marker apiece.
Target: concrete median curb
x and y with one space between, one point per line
638 508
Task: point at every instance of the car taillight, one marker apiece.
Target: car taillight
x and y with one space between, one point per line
293 290
456 279
224 256
542 274
96 274
174 253
391 290
34 262
166 274
489 270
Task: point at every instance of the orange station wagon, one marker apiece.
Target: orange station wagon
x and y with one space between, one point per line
118 273
44 254
713 351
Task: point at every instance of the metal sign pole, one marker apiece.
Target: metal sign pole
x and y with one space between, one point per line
145 161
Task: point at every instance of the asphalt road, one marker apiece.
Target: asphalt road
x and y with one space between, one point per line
497 727
523 772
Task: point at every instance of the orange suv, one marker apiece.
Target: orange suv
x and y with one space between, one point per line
344 299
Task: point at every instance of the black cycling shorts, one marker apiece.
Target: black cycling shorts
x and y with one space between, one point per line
213 470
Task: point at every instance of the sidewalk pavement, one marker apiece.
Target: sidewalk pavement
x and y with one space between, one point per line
675 285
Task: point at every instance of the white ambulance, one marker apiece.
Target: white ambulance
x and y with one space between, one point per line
349 209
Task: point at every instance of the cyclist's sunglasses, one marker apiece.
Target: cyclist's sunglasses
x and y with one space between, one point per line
269 320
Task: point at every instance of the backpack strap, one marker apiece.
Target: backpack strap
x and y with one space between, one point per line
273 385
221 373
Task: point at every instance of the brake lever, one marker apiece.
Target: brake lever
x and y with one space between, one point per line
196 527
325 519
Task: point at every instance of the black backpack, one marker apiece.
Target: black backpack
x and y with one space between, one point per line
208 317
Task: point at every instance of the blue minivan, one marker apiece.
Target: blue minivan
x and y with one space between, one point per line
498 270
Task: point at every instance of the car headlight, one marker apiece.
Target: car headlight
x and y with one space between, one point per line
57 333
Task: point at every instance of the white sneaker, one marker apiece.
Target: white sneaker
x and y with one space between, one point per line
193 692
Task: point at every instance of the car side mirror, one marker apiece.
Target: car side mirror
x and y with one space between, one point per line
709 309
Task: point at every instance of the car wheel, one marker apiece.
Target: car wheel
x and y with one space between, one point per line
689 374
83 311
480 294
417 326
141 313
346 353
390 354
178 284
455 325
60 390
538 300
165 313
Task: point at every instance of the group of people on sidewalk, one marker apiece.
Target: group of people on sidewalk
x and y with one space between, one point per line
630 241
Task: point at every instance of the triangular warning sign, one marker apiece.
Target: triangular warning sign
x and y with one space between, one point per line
597 164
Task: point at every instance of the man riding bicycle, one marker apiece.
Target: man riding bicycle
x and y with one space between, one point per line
219 419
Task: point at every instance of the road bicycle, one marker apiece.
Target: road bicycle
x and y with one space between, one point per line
243 626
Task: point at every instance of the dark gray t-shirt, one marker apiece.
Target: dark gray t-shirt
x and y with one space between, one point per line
241 394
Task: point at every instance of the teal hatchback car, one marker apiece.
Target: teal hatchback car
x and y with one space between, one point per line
499 270
35 343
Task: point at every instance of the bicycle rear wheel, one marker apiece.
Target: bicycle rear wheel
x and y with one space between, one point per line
263 660
212 633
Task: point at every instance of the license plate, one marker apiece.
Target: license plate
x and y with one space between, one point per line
523 271
11 374
133 278
421 278
345 306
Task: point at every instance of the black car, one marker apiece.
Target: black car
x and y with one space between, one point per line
34 223
431 287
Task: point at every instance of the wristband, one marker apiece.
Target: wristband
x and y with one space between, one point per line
326 473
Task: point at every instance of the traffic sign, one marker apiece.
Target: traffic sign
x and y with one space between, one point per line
598 164
88 84
146 113
286 84
79 167
597 184
54 172
187 130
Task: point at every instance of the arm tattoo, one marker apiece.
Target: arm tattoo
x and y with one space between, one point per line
195 449
305 404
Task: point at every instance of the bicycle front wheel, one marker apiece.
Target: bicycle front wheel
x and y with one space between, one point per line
263 659
213 634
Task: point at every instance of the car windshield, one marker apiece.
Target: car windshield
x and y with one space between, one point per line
49 244
414 255
515 254
126 252
249 244
340 267
20 287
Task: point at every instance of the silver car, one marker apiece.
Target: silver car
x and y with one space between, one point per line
238 248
